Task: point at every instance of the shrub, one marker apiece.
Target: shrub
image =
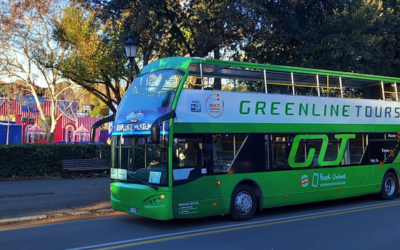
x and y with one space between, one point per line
28 160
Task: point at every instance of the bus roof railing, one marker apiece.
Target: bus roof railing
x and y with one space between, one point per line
282 73
293 77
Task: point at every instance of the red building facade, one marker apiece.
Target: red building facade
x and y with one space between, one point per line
66 125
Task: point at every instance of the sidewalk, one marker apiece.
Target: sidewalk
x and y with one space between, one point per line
42 198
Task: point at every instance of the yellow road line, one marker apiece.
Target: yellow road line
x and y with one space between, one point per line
242 227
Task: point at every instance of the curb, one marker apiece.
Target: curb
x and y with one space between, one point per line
26 218
55 214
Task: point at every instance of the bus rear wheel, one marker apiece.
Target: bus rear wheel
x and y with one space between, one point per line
390 186
243 203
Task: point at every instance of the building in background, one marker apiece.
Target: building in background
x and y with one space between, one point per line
17 105
86 109
27 116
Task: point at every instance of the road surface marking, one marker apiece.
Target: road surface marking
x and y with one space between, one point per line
222 229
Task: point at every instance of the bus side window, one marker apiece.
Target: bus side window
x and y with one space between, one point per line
266 138
188 152
280 150
383 147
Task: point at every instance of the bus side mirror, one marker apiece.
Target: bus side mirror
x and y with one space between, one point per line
155 127
155 134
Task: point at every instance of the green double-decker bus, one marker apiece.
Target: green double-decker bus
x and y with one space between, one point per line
269 136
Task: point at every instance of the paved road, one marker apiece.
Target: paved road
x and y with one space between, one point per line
46 196
358 223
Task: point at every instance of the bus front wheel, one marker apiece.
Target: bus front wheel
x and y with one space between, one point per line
243 203
390 186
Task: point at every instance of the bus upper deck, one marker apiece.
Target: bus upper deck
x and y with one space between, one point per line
252 77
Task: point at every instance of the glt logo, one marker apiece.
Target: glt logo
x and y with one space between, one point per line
321 156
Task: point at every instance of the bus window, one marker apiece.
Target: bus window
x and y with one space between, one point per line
281 146
226 147
383 147
188 152
330 86
305 84
356 149
239 153
137 162
353 93
193 82
331 151
266 143
153 83
188 159
280 150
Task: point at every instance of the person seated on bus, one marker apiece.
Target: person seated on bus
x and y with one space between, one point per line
179 158
193 155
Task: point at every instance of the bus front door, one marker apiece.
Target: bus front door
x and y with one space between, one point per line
195 192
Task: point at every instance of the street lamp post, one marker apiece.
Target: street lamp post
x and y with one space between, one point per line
131 49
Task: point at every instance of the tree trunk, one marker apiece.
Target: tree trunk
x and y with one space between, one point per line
217 81
52 131
50 137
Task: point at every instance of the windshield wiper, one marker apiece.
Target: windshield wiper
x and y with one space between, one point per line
140 180
143 181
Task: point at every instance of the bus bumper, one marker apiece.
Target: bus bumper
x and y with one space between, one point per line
141 200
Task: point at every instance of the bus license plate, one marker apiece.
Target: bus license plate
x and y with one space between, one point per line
133 209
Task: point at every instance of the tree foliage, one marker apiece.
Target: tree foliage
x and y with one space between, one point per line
347 35
94 57
358 36
177 28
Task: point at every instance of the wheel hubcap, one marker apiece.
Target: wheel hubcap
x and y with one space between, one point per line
243 203
390 186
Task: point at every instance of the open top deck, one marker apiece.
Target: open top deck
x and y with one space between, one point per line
251 77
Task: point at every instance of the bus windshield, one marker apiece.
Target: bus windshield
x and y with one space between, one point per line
150 96
135 160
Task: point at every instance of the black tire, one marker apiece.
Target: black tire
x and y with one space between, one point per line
390 186
243 203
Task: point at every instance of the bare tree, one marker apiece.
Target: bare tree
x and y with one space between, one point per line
27 46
